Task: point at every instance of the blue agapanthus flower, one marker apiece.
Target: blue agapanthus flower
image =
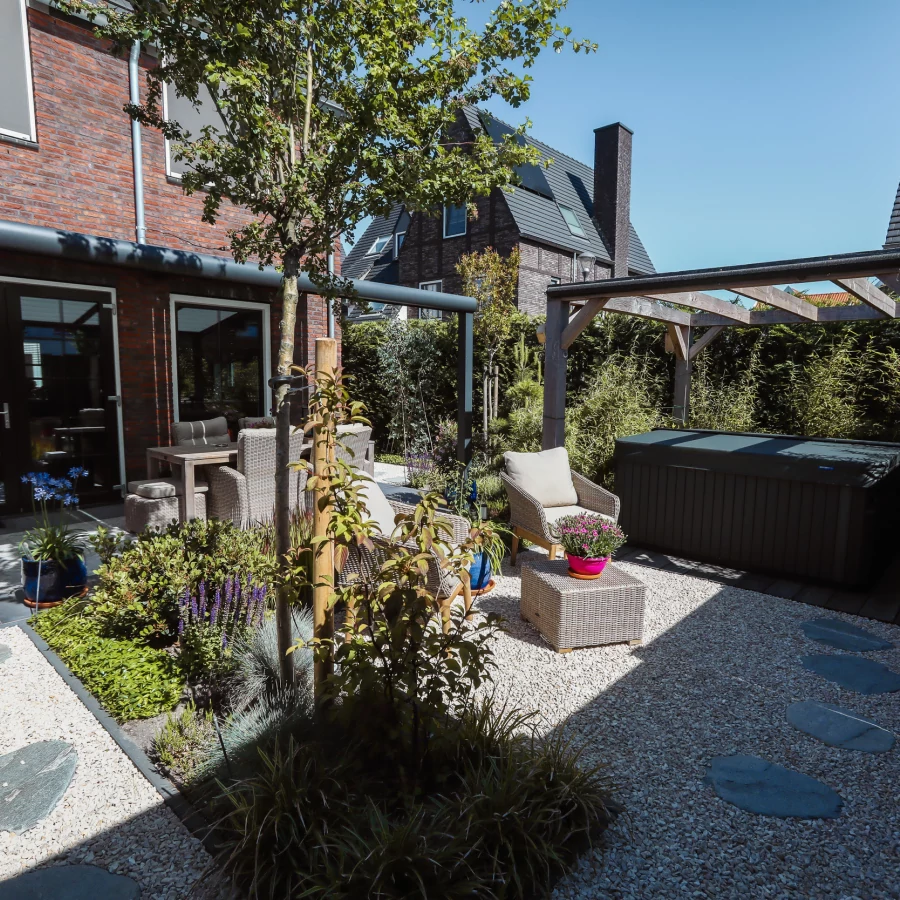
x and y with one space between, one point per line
78 472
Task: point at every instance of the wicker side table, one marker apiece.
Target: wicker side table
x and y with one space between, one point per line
571 613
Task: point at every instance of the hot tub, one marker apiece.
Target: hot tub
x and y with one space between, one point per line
817 509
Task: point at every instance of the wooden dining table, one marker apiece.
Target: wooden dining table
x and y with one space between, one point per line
186 459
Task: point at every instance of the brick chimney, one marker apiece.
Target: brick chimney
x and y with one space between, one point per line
612 191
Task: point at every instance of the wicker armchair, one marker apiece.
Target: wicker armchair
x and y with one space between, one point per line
532 521
358 449
246 495
441 583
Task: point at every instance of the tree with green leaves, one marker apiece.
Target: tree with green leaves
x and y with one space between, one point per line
330 111
492 280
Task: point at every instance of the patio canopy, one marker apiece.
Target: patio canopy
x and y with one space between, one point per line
57 242
678 300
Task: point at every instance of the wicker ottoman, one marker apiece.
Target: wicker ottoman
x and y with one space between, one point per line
572 613
158 512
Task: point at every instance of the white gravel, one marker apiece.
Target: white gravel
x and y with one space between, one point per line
110 816
717 671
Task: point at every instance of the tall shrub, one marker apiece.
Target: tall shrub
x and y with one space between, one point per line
725 402
826 396
622 398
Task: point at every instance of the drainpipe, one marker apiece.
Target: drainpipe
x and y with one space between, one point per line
330 302
134 96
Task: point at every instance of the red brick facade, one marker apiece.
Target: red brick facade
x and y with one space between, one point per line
79 177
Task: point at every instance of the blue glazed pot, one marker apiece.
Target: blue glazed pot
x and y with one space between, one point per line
480 572
48 582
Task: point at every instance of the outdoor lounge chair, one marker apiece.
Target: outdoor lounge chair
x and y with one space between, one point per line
541 489
358 449
441 583
246 494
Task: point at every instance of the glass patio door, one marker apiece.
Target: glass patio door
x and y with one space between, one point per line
57 390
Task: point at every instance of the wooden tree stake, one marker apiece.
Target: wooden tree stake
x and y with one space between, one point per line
323 557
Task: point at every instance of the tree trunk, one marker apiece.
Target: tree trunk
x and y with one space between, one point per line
289 299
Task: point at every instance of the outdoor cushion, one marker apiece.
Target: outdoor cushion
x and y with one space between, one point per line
555 513
380 511
256 422
157 488
204 431
545 475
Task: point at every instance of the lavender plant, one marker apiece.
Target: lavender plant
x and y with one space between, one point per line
208 625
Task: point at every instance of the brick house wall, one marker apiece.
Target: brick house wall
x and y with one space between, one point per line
539 265
78 176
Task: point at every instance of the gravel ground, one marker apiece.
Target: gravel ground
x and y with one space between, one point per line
110 816
717 671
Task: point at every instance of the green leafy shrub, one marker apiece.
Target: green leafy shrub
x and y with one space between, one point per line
139 591
131 680
620 400
390 459
826 399
727 402
183 743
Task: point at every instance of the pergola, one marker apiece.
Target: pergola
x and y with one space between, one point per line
571 307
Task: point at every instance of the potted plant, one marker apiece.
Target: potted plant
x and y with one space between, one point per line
589 541
53 566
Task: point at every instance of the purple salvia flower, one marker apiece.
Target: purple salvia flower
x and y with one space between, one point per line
251 606
194 612
202 599
217 605
181 624
224 639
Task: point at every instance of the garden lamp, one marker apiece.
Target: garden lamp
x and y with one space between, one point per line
587 265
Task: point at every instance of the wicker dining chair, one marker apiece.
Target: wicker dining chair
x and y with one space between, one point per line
532 521
441 583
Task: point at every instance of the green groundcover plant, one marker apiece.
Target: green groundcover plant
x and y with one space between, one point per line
130 679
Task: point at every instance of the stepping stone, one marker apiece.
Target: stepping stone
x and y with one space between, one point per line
839 727
5 653
71 883
865 676
761 787
32 781
842 636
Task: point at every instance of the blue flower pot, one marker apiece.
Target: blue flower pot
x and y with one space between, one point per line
480 572
47 582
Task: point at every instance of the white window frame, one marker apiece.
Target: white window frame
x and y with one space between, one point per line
117 371
26 38
465 220
555 280
581 232
166 141
399 237
189 300
431 313
374 251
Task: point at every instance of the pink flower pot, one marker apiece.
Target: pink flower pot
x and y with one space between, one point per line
586 567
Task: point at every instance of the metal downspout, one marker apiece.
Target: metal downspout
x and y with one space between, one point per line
331 302
134 96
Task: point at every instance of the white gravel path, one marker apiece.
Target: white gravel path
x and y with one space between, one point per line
716 673
110 816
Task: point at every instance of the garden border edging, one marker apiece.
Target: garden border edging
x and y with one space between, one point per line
195 822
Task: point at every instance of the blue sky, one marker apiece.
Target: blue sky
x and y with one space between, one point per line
762 130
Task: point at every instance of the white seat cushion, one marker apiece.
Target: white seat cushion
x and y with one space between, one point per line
545 475
555 513
157 488
380 511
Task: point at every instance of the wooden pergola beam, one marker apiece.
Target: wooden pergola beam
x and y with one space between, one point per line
631 306
705 339
856 312
706 303
864 290
773 296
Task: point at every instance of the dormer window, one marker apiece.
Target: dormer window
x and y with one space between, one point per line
572 221
454 221
399 238
379 245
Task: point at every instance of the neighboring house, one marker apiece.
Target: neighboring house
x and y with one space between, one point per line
553 217
892 239
110 327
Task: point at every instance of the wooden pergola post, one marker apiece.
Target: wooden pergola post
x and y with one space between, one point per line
323 555
554 433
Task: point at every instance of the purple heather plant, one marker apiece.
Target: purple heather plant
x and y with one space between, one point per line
588 535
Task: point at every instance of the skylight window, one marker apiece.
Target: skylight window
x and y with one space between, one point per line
572 221
379 245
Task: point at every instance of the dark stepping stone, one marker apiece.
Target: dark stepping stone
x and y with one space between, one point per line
763 788
70 883
32 781
842 636
839 727
865 676
5 653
